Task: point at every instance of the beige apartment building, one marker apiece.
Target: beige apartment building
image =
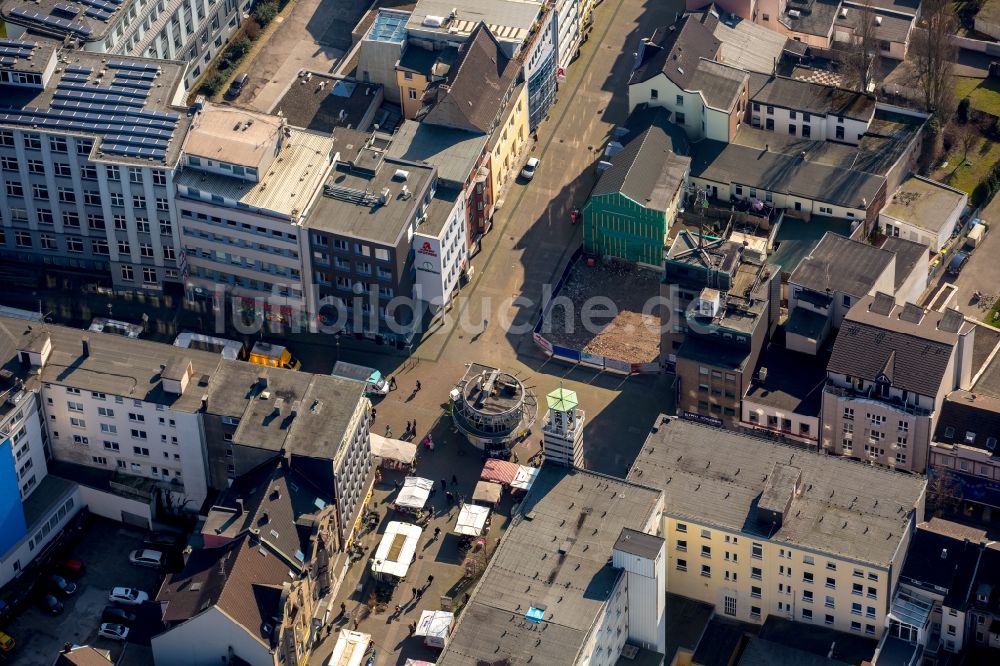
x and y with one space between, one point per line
759 528
890 370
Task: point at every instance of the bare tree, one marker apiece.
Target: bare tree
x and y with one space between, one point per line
932 52
862 59
944 494
968 137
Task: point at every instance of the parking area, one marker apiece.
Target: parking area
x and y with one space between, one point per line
981 272
103 547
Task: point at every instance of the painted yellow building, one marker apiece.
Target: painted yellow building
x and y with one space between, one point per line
509 138
759 528
416 70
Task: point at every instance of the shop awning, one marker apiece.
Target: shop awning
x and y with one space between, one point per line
393 449
472 519
488 492
414 493
525 477
500 471
396 550
435 624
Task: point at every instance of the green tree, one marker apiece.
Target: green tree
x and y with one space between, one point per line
265 12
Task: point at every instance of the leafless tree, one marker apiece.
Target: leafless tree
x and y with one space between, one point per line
968 137
944 494
862 60
932 52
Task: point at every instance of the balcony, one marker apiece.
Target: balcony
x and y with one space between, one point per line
869 394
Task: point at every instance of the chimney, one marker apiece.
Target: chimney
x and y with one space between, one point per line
86 347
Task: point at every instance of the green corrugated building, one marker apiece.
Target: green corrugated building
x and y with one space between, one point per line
635 200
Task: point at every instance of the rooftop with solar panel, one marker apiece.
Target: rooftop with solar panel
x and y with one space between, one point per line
85 20
131 104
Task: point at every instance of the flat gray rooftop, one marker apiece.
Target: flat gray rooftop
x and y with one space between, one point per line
357 212
582 515
130 108
454 152
298 412
924 203
715 477
122 366
442 203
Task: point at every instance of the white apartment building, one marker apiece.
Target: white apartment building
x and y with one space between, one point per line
884 391
87 150
123 405
811 110
245 182
192 31
440 244
569 22
760 528
676 69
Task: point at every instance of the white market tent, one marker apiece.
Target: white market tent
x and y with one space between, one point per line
392 449
414 493
351 649
396 551
525 477
472 519
435 627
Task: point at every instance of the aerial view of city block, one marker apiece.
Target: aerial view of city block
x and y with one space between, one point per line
499 332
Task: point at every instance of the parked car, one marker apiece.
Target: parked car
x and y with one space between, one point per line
72 568
236 87
116 632
145 557
128 596
61 585
117 615
957 263
6 642
161 540
52 605
528 172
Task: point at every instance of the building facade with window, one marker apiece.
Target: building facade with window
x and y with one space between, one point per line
964 457
811 110
34 505
92 194
361 234
192 31
760 528
126 406
245 184
889 373
677 69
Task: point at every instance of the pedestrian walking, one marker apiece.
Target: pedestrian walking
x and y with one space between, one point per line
450 497
418 384
486 323
388 430
413 593
412 627
420 593
444 484
408 426
374 412
392 383
430 579
454 480
437 532
414 427
396 483
398 611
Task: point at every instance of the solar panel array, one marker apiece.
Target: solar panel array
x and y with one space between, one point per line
52 21
12 50
114 110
